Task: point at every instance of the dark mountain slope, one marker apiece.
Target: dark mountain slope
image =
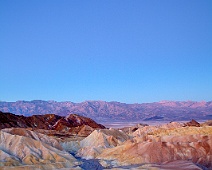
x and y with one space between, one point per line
46 122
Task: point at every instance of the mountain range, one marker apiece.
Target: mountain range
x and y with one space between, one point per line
105 111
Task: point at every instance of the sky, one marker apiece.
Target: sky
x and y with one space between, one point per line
117 50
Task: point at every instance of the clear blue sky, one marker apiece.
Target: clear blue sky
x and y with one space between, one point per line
116 50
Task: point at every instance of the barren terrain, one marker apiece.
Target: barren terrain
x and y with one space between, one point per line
76 142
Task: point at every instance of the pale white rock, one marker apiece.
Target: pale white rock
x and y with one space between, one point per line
98 140
28 148
71 146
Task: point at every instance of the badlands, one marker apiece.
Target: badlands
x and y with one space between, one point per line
75 142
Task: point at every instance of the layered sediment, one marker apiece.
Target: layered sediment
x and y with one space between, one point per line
76 142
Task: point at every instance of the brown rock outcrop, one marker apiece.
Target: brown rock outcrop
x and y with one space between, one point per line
192 123
71 123
8 120
74 120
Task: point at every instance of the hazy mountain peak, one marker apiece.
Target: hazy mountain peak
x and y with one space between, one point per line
102 110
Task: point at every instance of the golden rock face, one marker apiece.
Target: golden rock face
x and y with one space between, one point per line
193 147
158 145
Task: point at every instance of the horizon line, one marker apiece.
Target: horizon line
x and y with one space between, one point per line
161 101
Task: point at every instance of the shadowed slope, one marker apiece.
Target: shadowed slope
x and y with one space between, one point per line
47 122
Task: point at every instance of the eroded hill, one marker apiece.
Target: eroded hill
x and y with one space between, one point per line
75 142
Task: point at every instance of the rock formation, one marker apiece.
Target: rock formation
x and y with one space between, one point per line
76 142
69 125
24 148
158 150
74 120
150 145
98 140
192 123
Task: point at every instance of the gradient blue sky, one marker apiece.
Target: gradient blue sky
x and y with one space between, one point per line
115 50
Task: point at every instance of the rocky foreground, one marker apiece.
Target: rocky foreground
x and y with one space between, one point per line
175 145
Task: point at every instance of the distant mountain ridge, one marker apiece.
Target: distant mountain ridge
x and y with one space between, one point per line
103 111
